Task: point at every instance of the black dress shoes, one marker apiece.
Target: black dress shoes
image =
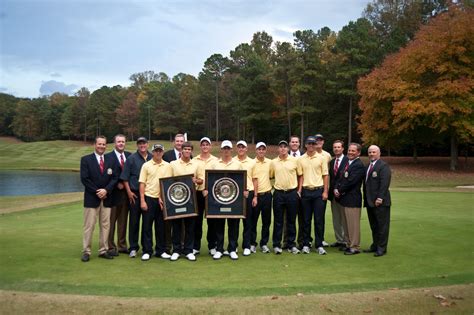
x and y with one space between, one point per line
85 258
337 244
113 253
124 251
351 251
106 256
379 253
370 250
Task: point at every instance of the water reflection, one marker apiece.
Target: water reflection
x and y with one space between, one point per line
17 182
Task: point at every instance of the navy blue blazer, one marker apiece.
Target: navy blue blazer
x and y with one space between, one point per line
349 185
116 193
333 177
92 180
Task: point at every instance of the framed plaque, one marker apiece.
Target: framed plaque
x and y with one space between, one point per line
179 197
225 198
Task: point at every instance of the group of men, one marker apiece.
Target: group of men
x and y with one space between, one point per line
120 183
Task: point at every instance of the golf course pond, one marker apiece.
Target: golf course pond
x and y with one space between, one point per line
21 182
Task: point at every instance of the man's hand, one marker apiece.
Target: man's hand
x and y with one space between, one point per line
131 197
120 185
161 204
254 201
143 205
101 193
204 193
325 195
246 193
378 202
336 193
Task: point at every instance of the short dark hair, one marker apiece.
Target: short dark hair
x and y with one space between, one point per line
188 144
339 141
294 136
120 136
358 146
100 137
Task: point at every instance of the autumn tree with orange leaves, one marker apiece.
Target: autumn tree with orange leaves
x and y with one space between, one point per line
425 87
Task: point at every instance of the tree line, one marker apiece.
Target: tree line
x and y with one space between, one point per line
378 79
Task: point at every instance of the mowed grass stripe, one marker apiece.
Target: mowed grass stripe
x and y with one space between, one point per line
429 245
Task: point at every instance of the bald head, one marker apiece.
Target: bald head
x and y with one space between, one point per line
374 152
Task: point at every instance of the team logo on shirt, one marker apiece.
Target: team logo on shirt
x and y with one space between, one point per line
225 190
374 174
178 194
109 171
346 174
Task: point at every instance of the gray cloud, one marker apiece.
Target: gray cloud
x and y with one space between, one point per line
50 87
55 75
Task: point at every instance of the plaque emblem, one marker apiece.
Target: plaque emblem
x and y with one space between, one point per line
178 194
225 190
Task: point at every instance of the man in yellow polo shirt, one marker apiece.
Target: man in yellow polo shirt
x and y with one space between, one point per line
313 189
264 198
284 169
206 159
248 164
185 166
152 204
226 162
327 156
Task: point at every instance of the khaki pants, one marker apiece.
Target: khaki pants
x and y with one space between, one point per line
90 218
352 227
338 221
119 217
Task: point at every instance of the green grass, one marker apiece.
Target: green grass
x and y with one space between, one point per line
430 245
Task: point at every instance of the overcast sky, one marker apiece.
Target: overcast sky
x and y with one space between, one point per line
62 45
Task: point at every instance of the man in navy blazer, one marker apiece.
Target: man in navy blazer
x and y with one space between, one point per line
377 200
336 167
348 193
119 210
99 177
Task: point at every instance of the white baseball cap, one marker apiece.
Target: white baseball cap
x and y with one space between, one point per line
259 144
205 139
242 142
226 144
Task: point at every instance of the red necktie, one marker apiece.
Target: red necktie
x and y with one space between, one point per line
179 155
101 164
294 154
336 166
371 167
121 161
347 166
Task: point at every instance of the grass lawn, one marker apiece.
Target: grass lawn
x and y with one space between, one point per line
430 254
429 246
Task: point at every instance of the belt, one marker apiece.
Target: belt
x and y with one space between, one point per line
264 193
313 188
285 191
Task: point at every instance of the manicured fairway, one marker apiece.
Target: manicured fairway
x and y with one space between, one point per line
430 245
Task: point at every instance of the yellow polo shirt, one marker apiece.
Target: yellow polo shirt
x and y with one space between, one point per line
205 164
312 168
179 167
326 155
285 173
150 175
248 164
232 165
262 173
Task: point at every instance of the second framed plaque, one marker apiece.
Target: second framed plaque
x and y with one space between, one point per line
225 198
179 197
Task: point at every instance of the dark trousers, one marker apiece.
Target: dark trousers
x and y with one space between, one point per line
281 201
232 233
248 222
313 204
153 215
211 233
264 206
134 223
178 246
379 220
